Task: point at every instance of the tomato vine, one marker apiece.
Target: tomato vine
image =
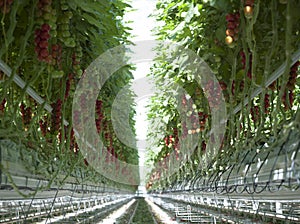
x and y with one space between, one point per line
243 42
49 44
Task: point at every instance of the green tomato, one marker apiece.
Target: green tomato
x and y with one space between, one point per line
57 74
47 8
217 59
232 45
53 33
66 33
52 19
63 20
76 67
53 12
79 72
47 16
64 6
79 54
70 42
68 14
64 26
52 25
40 21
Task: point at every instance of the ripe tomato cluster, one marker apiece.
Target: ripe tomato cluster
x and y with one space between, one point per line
267 103
273 86
154 176
243 56
68 85
223 85
73 144
56 116
248 8
288 95
255 113
55 31
26 114
43 126
239 85
197 120
56 53
202 120
214 94
2 105
172 141
99 115
176 143
203 146
112 155
42 36
233 22
46 14
293 76
169 140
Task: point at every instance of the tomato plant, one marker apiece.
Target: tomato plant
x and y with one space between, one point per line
49 44
244 43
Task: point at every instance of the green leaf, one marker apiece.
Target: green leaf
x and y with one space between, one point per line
178 28
166 119
190 13
94 7
191 88
91 20
220 34
222 5
72 5
240 74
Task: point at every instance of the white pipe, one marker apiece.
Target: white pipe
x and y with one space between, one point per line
20 82
275 75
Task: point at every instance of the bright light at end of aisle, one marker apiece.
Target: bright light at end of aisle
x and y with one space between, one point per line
142 25
143 89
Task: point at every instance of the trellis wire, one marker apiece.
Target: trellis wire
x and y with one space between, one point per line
230 180
47 209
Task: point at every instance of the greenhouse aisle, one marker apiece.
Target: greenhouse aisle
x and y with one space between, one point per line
149 111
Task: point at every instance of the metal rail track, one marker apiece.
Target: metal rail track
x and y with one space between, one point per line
286 210
133 214
58 208
151 212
